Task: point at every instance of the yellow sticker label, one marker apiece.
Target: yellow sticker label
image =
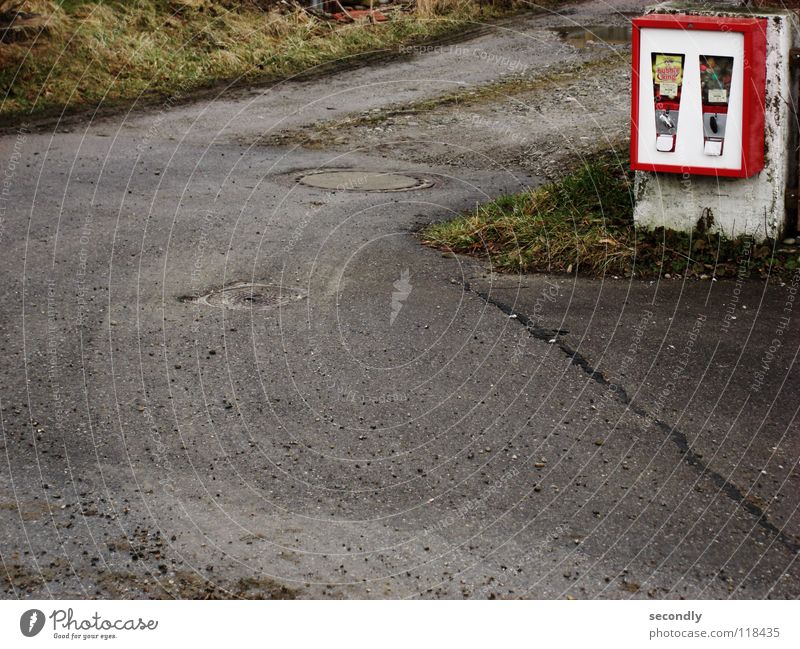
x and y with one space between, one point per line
668 73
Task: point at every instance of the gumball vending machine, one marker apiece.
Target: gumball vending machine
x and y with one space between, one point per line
697 104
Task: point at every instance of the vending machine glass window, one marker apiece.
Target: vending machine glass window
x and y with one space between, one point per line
667 81
716 73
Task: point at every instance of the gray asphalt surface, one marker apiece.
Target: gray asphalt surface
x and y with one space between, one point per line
375 419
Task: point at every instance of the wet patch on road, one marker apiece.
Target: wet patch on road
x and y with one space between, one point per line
581 37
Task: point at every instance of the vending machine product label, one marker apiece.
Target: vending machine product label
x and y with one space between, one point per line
718 96
668 89
668 74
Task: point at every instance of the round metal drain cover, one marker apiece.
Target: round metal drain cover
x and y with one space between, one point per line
252 296
354 180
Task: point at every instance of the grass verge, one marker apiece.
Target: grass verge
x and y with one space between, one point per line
583 224
81 54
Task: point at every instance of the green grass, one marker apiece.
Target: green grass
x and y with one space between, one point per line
93 53
584 224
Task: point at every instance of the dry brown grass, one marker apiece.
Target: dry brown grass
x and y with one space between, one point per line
93 53
433 8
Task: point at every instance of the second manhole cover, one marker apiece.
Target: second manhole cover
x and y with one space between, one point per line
251 296
363 181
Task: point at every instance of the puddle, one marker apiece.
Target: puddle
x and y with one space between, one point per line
581 37
355 180
250 297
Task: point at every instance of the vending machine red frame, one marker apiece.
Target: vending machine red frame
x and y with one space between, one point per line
755 70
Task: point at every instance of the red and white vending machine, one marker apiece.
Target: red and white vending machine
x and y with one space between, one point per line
697 104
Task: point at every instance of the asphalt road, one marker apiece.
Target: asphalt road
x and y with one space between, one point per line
374 419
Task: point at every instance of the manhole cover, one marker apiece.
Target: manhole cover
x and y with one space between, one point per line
364 181
251 296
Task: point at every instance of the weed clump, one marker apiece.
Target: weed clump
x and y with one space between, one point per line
583 224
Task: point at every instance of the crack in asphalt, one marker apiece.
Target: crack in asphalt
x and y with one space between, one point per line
691 457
